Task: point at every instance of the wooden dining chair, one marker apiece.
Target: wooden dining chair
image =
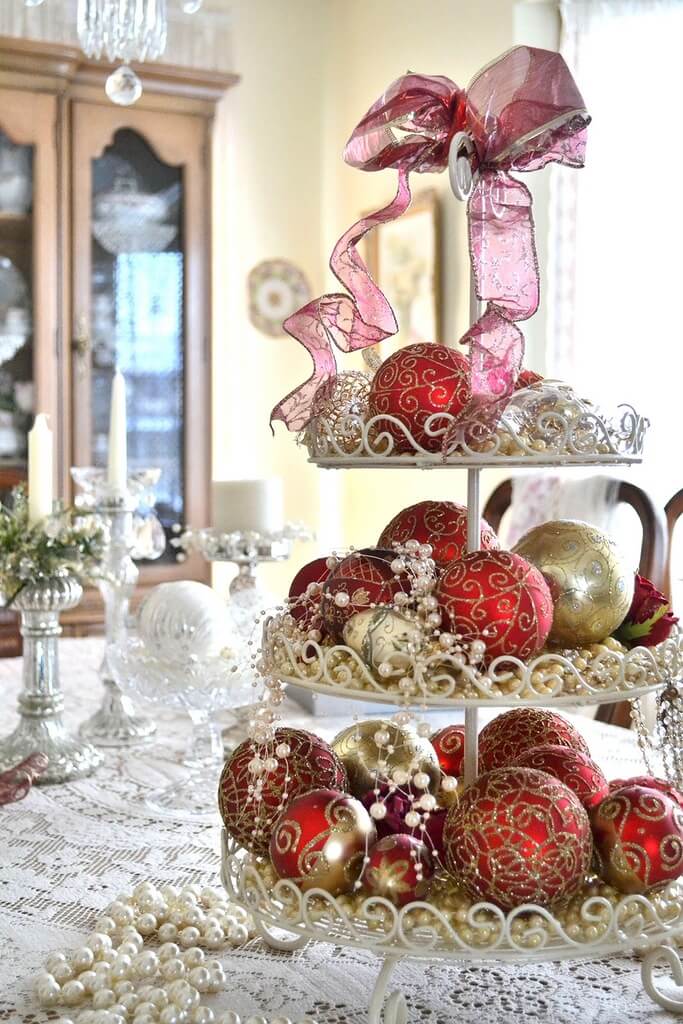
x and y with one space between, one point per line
653 556
673 510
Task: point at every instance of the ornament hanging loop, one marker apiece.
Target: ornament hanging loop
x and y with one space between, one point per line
460 157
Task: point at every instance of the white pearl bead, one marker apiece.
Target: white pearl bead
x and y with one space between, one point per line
73 993
172 969
200 977
82 958
203 1015
189 936
98 942
170 892
195 917
167 931
238 934
378 811
121 967
118 1010
159 997
87 980
168 951
122 914
421 780
107 956
52 961
123 988
146 1018
170 1015
214 938
146 1007
229 1017
130 949
177 917
101 969
128 1001
210 896
449 783
146 924
193 956
255 1019
146 964
130 934
280 1020
62 972
47 990
106 924
103 998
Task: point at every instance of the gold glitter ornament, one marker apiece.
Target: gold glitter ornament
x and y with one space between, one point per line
372 751
383 637
590 584
338 407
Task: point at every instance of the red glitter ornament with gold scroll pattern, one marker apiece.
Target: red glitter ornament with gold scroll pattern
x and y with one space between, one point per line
499 598
399 869
259 780
649 782
417 382
639 838
442 524
320 841
449 744
304 593
518 836
362 579
511 734
572 767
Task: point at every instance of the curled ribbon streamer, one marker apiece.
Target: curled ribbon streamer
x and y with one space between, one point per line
16 782
522 111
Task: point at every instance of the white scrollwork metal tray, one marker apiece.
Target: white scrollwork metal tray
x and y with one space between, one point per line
437 678
547 426
592 926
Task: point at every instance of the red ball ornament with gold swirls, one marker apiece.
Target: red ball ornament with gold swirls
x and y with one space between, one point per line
443 524
649 782
511 734
417 382
497 597
366 578
304 593
449 744
639 838
320 841
252 793
399 869
518 836
572 767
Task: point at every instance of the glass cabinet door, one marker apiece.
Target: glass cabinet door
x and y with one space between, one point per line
28 321
131 303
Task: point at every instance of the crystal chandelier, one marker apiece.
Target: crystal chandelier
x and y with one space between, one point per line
123 30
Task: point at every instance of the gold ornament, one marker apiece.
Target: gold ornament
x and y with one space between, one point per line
338 407
590 584
372 751
383 637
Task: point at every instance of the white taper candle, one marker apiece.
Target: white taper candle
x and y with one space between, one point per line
117 459
39 470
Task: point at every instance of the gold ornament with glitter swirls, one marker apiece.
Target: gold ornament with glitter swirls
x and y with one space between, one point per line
589 581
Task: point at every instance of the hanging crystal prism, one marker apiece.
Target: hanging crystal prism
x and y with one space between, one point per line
126 30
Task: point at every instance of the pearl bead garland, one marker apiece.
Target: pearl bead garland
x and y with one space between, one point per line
130 983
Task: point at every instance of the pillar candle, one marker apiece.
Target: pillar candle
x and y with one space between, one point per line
117 459
39 470
248 505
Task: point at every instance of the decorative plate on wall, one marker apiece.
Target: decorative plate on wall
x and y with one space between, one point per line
276 290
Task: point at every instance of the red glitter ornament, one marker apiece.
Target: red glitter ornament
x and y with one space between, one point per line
443 524
304 594
527 379
399 869
449 744
649 782
253 791
362 579
510 735
417 382
518 836
497 597
572 767
639 837
321 839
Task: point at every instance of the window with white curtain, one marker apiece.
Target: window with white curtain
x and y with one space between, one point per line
615 281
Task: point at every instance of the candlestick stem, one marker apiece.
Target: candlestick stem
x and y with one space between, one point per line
116 723
41 700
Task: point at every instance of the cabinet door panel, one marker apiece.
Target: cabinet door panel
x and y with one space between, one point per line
29 371
140 298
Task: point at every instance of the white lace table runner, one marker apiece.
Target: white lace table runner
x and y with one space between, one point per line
65 851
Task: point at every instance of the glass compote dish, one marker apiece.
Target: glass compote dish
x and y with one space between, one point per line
200 686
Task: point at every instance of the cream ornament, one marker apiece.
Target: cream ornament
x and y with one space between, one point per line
184 618
383 637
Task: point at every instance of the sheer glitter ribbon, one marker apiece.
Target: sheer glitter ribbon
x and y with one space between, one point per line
16 782
521 112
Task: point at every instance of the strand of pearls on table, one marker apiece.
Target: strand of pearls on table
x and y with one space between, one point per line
127 982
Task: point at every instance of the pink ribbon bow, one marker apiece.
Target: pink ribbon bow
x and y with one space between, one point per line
521 112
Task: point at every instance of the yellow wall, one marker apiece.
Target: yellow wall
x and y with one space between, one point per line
310 70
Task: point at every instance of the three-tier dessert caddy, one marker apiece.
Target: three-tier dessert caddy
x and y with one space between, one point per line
557 431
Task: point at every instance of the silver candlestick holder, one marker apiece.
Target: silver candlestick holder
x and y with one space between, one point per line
116 722
41 700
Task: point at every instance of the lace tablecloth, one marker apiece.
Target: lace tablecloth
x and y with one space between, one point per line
66 851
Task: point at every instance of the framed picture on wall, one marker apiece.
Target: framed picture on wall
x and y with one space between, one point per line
403 257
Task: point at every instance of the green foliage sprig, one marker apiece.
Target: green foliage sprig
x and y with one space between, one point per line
70 540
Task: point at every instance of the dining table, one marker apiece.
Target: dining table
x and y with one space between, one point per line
68 850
